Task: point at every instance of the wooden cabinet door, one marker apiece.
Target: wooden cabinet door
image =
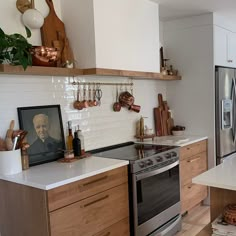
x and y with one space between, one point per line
119 229
191 195
91 215
192 166
73 192
193 149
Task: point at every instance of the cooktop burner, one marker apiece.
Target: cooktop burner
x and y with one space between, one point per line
132 151
140 156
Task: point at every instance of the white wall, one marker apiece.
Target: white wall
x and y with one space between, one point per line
189 44
101 125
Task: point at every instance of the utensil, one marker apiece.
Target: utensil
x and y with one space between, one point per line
9 135
78 104
90 101
94 96
85 102
98 94
116 105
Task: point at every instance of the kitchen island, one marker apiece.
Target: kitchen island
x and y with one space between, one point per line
74 198
222 182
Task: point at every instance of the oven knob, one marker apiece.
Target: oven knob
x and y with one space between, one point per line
173 154
149 162
167 155
159 158
142 164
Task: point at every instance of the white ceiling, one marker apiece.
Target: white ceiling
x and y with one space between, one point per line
172 9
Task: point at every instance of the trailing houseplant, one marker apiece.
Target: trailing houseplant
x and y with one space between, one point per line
15 49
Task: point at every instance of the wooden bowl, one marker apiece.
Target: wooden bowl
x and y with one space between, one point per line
177 132
44 56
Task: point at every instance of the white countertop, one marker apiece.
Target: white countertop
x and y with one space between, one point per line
175 140
222 176
55 174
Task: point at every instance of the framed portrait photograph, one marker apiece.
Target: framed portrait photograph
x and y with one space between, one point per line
45 132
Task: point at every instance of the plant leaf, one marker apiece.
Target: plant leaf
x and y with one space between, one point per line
28 32
2 34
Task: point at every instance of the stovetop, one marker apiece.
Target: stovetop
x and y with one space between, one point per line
140 156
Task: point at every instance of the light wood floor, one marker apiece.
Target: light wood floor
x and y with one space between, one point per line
195 221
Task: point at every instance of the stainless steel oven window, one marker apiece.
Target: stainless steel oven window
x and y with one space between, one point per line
155 191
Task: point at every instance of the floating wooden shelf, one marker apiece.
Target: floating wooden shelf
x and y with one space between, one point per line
39 70
57 71
127 73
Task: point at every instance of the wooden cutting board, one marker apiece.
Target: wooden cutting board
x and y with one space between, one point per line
158 121
170 125
53 28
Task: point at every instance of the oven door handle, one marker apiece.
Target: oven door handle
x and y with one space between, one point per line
156 171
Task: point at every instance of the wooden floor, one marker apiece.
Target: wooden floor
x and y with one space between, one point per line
195 221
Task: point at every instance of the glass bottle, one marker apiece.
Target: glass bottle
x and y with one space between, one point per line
81 137
76 145
70 136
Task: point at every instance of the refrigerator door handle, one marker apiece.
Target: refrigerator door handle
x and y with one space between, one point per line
234 110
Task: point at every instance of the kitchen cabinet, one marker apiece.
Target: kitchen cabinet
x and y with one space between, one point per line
111 34
193 161
224 47
84 207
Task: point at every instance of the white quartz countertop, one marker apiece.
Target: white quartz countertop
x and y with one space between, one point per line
175 140
222 176
54 174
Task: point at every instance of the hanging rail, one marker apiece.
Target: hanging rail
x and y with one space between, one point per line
102 83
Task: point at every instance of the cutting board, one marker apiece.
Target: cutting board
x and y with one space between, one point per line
158 121
170 125
53 28
164 114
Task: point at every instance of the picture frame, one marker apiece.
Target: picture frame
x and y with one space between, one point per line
45 132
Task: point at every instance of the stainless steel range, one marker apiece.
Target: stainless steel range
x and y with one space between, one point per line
154 186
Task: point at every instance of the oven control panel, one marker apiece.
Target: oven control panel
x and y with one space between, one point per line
157 161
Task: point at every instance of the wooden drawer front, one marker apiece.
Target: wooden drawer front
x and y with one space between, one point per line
78 190
191 195
118 229
192 166
92 215
193 149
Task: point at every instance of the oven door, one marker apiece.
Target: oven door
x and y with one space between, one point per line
156 198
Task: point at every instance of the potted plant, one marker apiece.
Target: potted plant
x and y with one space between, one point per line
15 49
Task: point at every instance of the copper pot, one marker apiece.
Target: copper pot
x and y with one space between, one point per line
126 99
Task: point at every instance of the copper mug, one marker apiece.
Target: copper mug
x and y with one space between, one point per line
126 99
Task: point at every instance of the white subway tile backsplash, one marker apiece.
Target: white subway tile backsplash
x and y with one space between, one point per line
101 126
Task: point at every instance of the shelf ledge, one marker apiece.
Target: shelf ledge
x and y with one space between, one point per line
57 71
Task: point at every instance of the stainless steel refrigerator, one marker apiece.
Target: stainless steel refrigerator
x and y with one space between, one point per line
225 105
